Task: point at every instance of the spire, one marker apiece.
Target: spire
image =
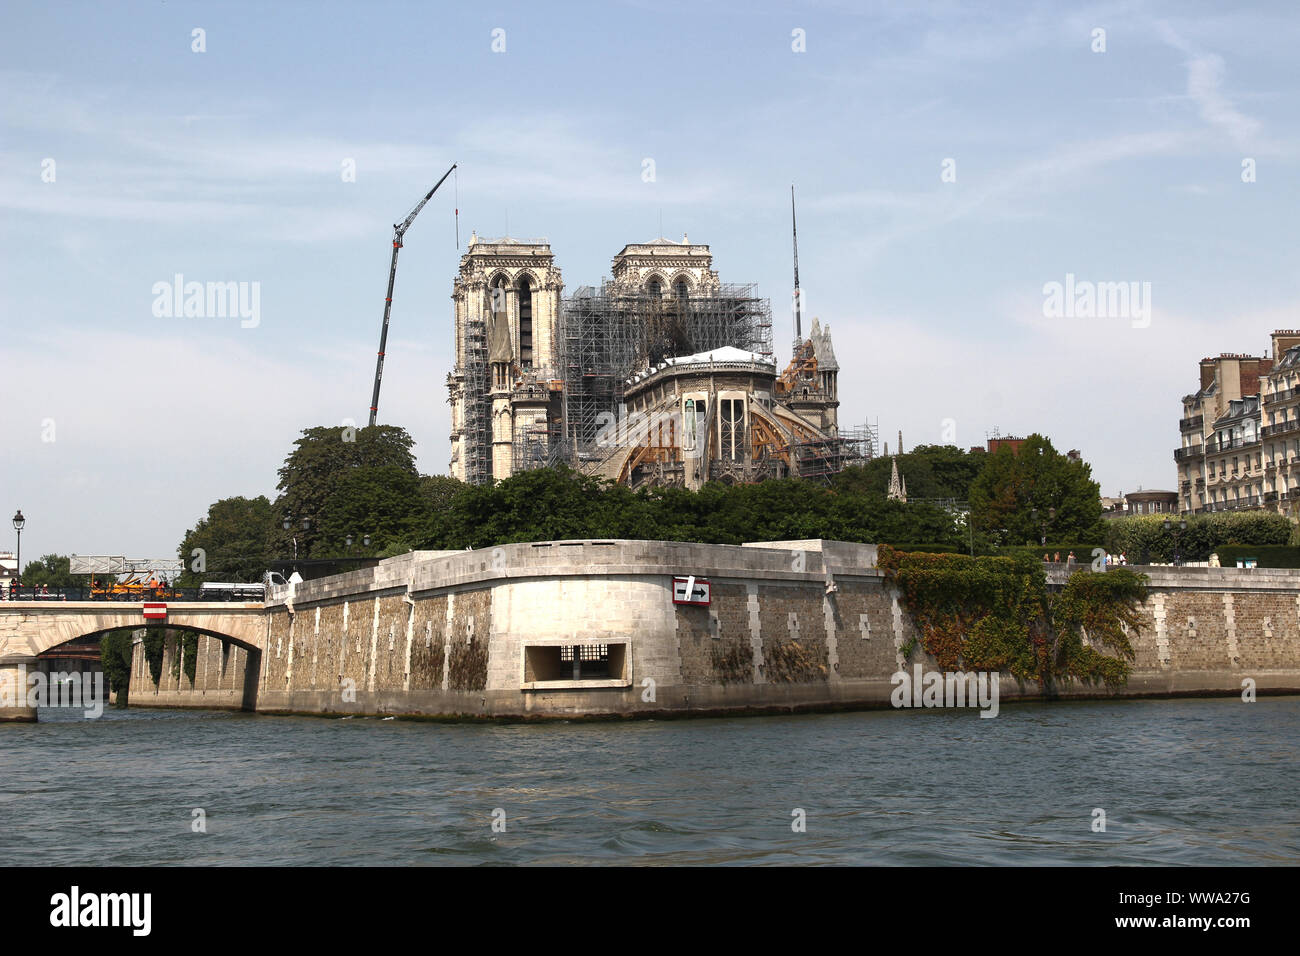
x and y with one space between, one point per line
798 305
897 485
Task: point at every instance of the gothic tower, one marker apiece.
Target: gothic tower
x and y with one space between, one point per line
507 311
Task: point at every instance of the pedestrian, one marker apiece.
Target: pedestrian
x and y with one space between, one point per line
1069 561
1046 559
1123 558
1057 559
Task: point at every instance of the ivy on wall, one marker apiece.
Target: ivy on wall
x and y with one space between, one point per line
997 614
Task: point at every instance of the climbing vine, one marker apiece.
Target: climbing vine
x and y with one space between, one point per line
115 658
155 640
997 614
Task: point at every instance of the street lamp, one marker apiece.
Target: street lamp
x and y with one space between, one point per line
19 522
1169 526
287 524
1051 516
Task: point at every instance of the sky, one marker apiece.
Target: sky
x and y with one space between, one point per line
952 161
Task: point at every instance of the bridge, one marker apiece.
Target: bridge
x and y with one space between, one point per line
32 630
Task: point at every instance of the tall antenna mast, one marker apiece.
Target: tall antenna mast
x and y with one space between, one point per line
798 304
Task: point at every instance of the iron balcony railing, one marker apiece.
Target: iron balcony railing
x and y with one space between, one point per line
1196 421
1281 428
1192 451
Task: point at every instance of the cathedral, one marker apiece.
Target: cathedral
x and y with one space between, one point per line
662 375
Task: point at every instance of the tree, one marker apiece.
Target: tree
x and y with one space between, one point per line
234 539
932 471
385 502
1020 495
50 570
311 473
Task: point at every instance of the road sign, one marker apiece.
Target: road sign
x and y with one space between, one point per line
155 611
692 590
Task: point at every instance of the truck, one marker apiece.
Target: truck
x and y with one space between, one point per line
221 591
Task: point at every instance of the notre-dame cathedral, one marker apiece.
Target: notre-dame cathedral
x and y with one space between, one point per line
661 375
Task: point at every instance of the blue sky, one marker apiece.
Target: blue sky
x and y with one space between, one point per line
225 165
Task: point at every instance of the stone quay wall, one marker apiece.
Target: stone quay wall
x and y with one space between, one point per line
791 626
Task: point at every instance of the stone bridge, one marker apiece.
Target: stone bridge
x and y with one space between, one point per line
30 628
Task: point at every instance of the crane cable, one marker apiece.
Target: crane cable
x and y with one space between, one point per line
456 186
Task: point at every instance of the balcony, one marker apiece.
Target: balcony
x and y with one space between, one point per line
1270 496
1212 447
1283 396
1184 454
1186 424
1281 428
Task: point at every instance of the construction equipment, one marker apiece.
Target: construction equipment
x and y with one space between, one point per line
399 230
133 588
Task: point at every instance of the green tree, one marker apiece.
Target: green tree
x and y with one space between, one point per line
1020 495
312 472
50 570
235 539
931 471
386 502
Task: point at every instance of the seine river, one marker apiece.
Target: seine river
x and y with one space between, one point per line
1180 781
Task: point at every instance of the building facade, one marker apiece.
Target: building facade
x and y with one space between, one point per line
1236 437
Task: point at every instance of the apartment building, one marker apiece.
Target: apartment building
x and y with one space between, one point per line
1240 432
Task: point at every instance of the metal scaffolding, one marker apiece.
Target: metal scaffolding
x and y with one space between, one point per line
608 334
477 405
821 458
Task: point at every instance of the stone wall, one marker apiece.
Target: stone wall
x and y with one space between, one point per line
221 675
792 625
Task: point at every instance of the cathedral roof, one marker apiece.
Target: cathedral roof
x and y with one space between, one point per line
727 353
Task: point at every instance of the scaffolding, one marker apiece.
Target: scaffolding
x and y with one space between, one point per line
608 334
821 458
540 443
477 405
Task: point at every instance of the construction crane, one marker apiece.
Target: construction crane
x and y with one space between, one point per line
399 230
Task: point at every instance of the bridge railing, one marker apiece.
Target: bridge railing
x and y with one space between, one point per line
136 595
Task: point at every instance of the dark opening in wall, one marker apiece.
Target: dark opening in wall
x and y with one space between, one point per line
574 662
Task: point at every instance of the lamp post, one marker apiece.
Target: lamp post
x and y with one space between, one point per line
19 522
1169 526
365 540
287 524
1042 527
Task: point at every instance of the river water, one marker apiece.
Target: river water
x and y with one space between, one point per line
1180 781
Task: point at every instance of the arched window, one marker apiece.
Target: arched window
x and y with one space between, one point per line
525 323
655 287
682 289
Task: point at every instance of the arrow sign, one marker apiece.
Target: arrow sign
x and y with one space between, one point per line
155 612
692 590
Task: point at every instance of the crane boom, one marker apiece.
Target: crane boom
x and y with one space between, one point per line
399 230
